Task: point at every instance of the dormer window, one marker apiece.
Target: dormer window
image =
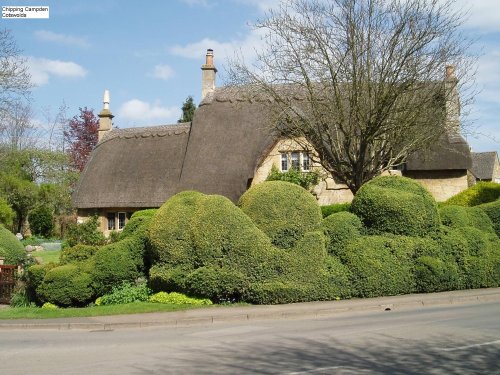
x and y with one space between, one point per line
298 160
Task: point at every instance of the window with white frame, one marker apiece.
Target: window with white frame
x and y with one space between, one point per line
121 219
299 160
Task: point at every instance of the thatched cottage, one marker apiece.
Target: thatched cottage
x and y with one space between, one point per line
485 166
224 150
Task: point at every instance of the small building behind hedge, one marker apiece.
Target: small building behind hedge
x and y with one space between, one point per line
228 147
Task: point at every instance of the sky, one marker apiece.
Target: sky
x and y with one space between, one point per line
148 54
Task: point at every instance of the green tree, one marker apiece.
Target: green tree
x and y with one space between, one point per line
188 108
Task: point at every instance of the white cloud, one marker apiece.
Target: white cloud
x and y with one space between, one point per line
245 47
484 15
162 72
49 36
42 69
138 110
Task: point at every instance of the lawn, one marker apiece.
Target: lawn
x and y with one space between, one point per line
130 308
47 256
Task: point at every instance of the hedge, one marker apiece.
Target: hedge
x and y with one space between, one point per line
460 216
379 266
138 224
493 211
66 286
10 247
398 205
435 275
340 229
334 208
115 263
482 192
35 275
77 253
282 210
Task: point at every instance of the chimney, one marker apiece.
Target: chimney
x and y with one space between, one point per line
105 117
452 100
208 72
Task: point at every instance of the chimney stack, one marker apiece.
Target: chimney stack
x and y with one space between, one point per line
452 100
450 72
208 75
105 117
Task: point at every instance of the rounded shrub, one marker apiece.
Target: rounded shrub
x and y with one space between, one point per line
10 247
379 266
66 286
138 224
170 232
6 213
340 229
113 264
77 253
398 205
34 277
435 275
334 208
282 210
493 211
482 192
460 216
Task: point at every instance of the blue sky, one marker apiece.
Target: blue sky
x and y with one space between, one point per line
149 54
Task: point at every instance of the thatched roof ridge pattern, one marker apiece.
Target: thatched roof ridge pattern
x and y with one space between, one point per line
483 164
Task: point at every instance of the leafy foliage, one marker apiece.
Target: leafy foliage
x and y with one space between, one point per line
462 216
77 253
305 179
282 210
334 208
6 213
492 209
482 192
398 205
188 108
82 137
86 233
42 221
175 298
10 247
125 293
341 229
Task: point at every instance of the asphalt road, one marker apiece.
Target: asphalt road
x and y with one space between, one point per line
462 339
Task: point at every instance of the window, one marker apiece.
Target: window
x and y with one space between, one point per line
121 219
111 221
306 162
284 162
298 160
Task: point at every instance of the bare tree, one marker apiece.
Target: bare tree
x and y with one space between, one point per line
17 130
15 80
361 81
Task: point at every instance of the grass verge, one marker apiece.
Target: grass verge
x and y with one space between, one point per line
72 312
47 256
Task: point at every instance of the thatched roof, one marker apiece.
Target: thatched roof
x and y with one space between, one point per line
218 153
483 164
450 152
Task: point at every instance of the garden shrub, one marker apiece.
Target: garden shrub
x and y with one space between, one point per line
340 229
42 221
114 264
170 232
306 180
398 205
282 210
138 224
277 291
435 275
175 298
482 192
338 279
220 284
86 233
10 247
379 266
460 216
167 278
334 208
77 253
125 293
66 286
493 211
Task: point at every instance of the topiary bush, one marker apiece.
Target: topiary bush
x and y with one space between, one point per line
138 224
398 205
435 275
170 232
340 229
334 208
482 192
10 247
66 286
34 277
460 216
282 210
493 211
379 266
77 253
114 264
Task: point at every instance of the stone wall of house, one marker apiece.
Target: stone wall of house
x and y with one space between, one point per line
443 184
102 213
496 171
